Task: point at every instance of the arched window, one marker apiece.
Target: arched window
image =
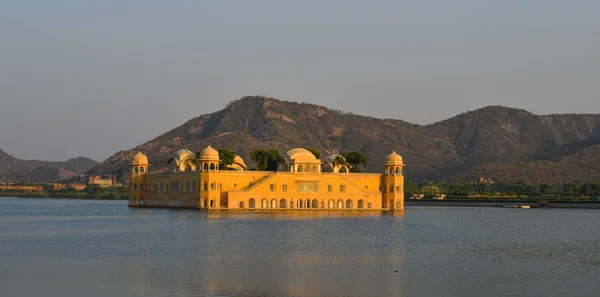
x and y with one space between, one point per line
205 166
340 204
212 166
300 168
264 203
292 205
397 170
300 204
370 205
322 203
349 203
397 188
137 169
142 169
282 203
331 203
242 204
391 188
188 168
315 203
205 186
252 203
314 169
361 203
213 186
343 170
274 203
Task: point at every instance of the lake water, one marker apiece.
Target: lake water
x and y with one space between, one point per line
103 248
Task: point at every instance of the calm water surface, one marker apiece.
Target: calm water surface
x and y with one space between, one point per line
102 248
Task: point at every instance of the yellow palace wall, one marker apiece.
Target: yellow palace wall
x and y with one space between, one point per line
235 189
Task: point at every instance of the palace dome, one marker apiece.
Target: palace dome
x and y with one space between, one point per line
209 153
239 160
394 159
184 154
139 159
300 155
331 158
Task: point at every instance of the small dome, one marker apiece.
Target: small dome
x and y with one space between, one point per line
209 153
139 159
394 159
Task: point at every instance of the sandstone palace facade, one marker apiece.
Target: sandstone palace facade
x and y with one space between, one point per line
302 182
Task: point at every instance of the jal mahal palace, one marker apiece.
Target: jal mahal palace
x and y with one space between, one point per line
301 183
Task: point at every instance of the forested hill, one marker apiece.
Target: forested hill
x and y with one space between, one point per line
35 171
497 142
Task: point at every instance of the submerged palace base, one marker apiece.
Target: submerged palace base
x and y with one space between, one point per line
302 182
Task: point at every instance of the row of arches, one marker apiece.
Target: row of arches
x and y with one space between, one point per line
210 166
139 169
396 204
305 204
394 170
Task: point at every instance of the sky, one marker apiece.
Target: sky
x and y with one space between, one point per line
90 78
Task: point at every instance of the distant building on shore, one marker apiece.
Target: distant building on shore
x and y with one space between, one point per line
105 180
484 180
300 183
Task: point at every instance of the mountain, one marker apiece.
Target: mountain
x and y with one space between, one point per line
36 171
495 141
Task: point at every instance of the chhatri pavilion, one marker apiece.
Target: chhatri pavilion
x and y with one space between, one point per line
301 182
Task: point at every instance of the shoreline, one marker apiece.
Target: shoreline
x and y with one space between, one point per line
509 204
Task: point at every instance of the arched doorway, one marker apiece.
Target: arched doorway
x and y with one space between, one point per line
361 203
252 203
340 204
264 203
242 204
274 203
349 203
315 203
283 203
300 204
331 203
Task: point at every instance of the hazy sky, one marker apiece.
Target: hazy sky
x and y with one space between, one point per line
94 77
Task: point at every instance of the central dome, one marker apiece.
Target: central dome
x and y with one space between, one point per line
300 155
209 153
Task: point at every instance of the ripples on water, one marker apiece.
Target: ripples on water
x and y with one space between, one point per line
103 248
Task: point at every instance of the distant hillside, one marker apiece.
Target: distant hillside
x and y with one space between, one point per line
35 171
495 141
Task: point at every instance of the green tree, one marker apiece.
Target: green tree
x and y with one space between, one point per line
227 158
315 152
409 188
547 189
266 159
483 188
586 189
355 158
533 190
93 188
570 189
